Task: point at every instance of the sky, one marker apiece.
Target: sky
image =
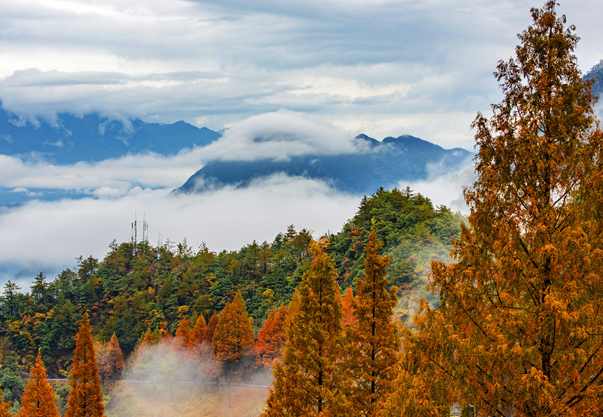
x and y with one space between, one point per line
324 70
382 67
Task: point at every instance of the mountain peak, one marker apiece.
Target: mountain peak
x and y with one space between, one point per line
93 137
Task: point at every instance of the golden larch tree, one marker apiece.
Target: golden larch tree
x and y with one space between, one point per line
111 364
347 308
38 399
519 328
306 381
4 406
211 327
233 338
198 334
183 333
85 397
372 340
271 337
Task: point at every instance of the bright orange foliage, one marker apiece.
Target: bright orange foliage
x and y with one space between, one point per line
347 308
164 333
306 381
198 333
4 406
183 334
233 337
211 327
519 331
272 336
85 397
372 341
38 398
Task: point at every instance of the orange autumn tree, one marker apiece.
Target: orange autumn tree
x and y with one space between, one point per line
347 308
306 380
233 338
519 331
38 398
272 336
198 334
111 364
183 333
85 397
211 327
4 406
372 340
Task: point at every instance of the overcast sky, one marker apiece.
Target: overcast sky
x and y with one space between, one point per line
384 67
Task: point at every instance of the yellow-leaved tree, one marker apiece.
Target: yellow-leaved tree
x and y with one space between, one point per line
85 397
372 338
233 338
306 379
519 329
38 398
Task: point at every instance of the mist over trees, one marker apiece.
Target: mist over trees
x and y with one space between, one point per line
510 324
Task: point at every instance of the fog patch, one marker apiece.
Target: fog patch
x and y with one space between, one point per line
445 186
164 380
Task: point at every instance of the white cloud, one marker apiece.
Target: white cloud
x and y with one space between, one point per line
276 135
446 187
110 177
280 135
51 235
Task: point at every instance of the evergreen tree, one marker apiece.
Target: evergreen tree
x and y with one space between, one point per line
85 397
38 398
372 340
272 336
233 338
520 329
306 381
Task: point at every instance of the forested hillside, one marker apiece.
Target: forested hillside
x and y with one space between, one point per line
140 286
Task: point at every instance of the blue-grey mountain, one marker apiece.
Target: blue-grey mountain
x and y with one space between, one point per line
93 137
596 75
376 164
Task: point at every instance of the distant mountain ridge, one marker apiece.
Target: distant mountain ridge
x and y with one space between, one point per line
93 137
380 164
596 75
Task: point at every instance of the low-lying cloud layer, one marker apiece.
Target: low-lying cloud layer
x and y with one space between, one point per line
49 236
277 135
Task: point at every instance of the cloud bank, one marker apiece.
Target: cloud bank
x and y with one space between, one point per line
50 235
383 67
277 135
